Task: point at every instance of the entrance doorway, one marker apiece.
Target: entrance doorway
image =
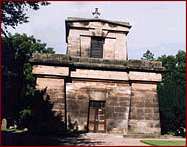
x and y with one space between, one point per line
96 116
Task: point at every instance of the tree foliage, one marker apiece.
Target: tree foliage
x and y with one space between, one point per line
148 55
172 92
23 47
15 13
18 80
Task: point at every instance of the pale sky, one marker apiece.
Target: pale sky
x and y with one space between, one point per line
157 26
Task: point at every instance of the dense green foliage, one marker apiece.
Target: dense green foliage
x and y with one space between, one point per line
22 103
172 92
148 55
22 47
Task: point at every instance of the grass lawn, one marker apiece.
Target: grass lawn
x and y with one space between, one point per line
164 142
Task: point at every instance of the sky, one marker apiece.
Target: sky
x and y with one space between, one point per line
157 26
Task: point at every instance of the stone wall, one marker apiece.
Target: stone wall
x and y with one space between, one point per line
140 100
130 93
55 93
117 108
144 109
116 95
77 103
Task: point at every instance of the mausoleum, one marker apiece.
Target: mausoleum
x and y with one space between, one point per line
96 85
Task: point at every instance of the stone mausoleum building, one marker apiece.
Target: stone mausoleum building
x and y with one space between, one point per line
96 85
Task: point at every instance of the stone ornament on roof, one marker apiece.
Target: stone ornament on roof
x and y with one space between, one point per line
96 14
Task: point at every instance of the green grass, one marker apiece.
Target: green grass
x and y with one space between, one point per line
164 142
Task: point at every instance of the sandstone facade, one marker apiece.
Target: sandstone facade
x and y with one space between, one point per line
94 86
130 97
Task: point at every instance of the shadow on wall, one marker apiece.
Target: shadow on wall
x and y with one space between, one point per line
43 119
38 115
45 126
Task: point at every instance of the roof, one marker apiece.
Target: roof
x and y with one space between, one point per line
78 19
96 63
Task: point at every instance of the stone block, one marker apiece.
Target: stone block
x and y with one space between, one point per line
97 95
140 116
58 100
113 102
123 98
149 116
98 74
124 103
138 104
149 103
133 116
117 126
144 93
136 99
157 125
140 111
81 95
143 126
146 87
145 76
156 116
49 83
50 70
109 48
58 106
156 109
109 112
72 105
148 110
85 46
120 109
118 115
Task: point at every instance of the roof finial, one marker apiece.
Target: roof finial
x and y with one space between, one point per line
96 14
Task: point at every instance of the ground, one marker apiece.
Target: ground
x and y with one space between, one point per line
85 139
101 139
109 140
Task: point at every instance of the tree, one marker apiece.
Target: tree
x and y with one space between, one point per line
17 49
14 13
148 55
23 47
171 92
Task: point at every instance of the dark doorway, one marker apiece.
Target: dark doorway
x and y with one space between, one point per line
96 116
